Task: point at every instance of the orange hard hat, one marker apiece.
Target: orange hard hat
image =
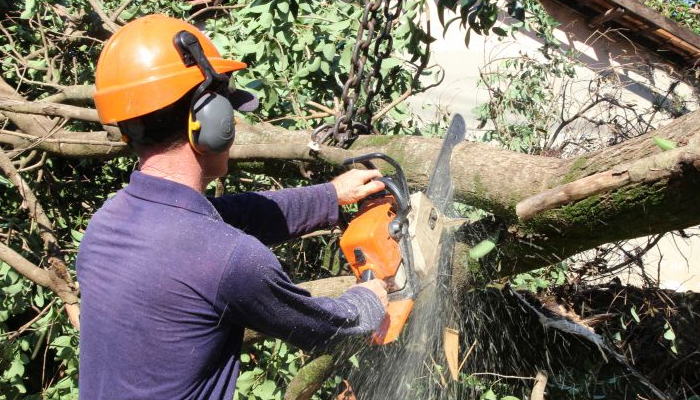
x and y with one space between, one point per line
140 70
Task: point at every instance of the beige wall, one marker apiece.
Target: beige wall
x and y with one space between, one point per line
641 76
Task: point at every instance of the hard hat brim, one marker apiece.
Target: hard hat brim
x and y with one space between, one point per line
119 103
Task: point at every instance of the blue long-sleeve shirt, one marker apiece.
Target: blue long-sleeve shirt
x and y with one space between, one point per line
169 280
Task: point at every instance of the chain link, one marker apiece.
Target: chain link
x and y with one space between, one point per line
347 122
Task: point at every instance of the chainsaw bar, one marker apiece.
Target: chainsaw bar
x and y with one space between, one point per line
439 189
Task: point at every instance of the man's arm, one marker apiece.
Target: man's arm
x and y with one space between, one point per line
273 217
255 293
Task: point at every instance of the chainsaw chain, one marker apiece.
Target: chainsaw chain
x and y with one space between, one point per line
347 124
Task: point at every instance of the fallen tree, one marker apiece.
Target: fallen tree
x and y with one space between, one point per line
549 208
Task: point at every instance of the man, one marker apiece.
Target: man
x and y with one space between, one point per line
170 278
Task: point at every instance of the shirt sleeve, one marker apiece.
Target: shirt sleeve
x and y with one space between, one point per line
254 292
273 217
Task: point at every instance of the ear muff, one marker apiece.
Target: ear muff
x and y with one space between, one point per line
210 124
211 127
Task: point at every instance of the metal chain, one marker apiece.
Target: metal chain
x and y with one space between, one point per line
346 126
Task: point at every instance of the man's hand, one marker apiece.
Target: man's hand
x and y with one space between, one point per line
356 184
378 287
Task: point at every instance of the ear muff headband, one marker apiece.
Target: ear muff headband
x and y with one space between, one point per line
210 123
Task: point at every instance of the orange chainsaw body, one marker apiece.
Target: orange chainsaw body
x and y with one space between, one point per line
368 246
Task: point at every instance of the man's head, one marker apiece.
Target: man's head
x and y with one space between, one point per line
164 83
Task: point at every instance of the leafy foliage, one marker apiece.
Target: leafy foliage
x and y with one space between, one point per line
685 12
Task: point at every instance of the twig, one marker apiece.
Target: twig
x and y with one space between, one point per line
15 334
320 107
320 233
393 104
119 10
38 164
48 108
301 117
502 376
212 8
107 22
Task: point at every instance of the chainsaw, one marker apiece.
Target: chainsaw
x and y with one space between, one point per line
397 236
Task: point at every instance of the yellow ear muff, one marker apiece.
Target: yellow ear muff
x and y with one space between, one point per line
193 127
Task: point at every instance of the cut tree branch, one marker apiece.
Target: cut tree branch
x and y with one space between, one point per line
40 276
50 109
36 211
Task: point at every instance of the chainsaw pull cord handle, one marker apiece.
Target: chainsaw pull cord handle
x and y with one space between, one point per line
367 276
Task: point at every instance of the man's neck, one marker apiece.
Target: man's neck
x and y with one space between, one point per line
178 164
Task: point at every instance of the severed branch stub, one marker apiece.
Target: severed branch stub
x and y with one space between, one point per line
540 385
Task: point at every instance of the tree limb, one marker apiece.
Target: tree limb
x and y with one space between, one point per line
50 109
107 22
36 211
72 93
40 276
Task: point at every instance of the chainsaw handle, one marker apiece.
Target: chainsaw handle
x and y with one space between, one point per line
393 188
366 160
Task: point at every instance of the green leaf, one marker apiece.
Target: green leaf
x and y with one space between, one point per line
664 144
266 20
509 398
76 235
325 68
37 64
128 14
184 6
499 31
315 64
329 51
29 9
634 314
338 26
13 289
265 390
221 42
669 334
245 47
283 7
16 368
488 395
61 341
482 249
5 182
354 361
